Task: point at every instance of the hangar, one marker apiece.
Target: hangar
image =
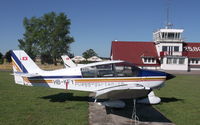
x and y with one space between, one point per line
167 51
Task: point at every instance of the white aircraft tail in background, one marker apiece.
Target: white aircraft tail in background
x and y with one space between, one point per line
68 62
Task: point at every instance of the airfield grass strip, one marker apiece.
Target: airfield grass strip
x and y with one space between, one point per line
23 105
181 100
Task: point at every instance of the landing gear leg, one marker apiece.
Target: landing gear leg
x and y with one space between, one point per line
134 116
95 100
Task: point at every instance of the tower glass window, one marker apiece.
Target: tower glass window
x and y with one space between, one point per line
171 35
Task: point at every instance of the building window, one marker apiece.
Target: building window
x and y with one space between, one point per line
163 35
149 60
161 60
181 61
194 61
176 48
174 61
171 35
145 59
164 48
178 35
169 60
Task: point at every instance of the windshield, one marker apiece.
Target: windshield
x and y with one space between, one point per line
110 70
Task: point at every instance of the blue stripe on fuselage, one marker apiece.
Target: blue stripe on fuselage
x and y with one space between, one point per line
18 62
144 72
54 77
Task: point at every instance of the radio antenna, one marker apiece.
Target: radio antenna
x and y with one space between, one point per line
168 24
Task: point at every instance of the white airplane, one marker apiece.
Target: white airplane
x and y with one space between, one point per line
112 80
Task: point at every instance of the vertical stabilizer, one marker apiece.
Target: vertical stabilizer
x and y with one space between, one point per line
23 62
68 62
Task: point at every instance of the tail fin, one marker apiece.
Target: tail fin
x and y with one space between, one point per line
68 62
23 64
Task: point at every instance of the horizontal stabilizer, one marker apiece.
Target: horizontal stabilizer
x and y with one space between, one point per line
29 75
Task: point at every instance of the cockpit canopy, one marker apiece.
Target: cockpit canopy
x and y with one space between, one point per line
121 69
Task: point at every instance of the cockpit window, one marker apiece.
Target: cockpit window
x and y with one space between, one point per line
110 70
126 70
105 71
88 72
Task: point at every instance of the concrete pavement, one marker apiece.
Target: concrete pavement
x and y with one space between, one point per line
101 115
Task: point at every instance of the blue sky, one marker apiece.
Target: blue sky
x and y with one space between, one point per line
95 23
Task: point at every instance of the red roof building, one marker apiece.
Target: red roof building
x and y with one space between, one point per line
134 52
168 51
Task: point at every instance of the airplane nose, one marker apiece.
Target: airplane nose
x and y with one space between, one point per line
169 76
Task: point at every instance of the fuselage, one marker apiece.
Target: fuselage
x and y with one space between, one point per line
98 76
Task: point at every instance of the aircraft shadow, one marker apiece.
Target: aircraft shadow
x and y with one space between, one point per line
63 97
145 113
171 99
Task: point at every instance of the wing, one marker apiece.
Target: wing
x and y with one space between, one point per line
123 92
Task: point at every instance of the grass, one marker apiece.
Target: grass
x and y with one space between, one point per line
181 100
22 105
6 66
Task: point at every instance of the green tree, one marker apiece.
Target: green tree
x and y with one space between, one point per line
89 53
47 35
1 58
8 56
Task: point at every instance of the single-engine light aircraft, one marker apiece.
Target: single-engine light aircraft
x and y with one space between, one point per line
114 80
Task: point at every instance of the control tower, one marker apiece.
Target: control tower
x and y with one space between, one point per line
169 41
169 46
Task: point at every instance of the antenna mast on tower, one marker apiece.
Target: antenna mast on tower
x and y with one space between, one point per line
168 24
